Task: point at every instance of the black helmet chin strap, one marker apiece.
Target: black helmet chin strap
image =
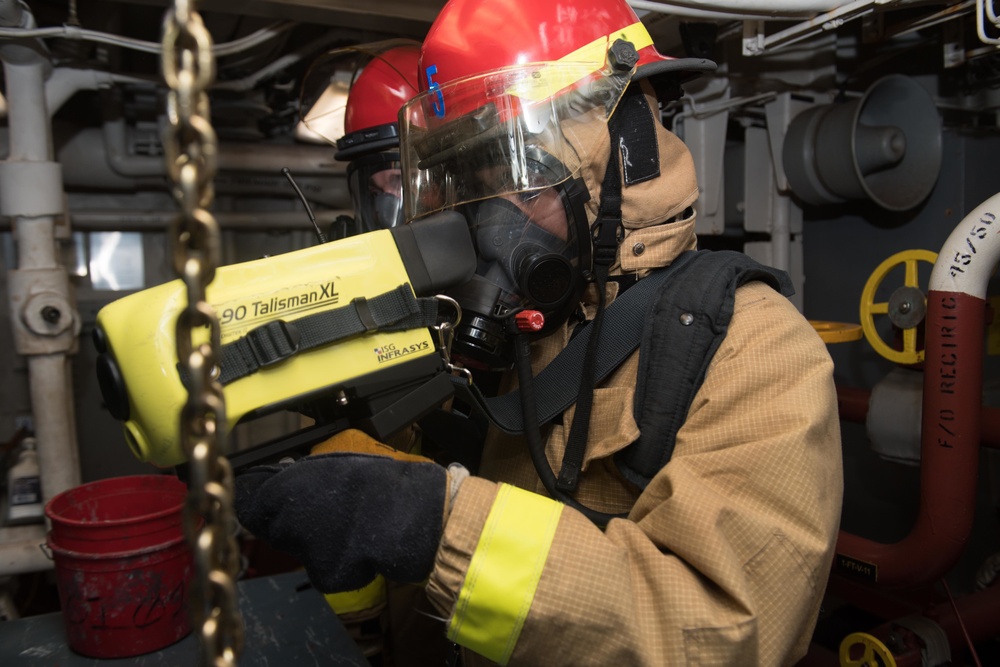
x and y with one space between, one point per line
633 136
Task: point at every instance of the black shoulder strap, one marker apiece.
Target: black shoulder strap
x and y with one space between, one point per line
684 327
701 283
557 384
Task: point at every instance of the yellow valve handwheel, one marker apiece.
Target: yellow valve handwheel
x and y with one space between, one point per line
906 307
837 332
873 652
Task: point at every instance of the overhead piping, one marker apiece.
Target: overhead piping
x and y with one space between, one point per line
740 9
76 32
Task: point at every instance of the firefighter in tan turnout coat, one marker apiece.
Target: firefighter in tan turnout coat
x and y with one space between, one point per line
539 122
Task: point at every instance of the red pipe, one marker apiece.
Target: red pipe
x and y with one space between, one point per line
819 656
853 403
949 454
991 427
881 602
979 611
951 419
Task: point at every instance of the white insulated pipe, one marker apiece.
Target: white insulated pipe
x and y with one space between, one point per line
31 134
48 375
971 253
67 81
32 182
50 380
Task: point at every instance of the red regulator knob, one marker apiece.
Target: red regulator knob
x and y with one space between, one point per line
529 321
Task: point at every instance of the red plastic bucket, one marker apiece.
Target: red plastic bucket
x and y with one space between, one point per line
123 567
118 605
118 514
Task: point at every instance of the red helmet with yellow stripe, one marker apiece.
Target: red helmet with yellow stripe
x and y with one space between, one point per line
496 77
472 37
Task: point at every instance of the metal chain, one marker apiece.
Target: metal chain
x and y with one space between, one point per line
190 146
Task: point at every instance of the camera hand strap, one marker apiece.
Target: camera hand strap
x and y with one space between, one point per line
277 340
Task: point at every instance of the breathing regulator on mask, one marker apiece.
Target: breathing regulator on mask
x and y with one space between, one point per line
507 126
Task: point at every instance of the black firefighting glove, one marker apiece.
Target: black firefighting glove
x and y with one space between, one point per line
351 510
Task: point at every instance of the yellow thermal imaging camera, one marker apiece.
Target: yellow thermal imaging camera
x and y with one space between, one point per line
338 332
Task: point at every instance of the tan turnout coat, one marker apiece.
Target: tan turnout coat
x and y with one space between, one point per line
724 557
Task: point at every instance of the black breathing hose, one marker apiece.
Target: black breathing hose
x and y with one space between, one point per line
532 432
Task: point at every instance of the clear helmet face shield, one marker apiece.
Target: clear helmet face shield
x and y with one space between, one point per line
503 149
376 186
472 138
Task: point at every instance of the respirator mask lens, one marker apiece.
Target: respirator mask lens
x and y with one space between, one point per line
376 186
388 210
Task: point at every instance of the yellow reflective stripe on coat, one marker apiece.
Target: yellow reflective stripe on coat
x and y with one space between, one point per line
504 572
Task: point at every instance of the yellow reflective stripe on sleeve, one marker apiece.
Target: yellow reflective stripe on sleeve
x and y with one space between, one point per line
504 572
367 597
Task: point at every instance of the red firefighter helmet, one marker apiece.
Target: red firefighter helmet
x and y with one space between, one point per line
469 37
384 85
377 79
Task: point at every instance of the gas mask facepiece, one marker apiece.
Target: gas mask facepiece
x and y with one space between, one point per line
388 210
532 251
376 191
